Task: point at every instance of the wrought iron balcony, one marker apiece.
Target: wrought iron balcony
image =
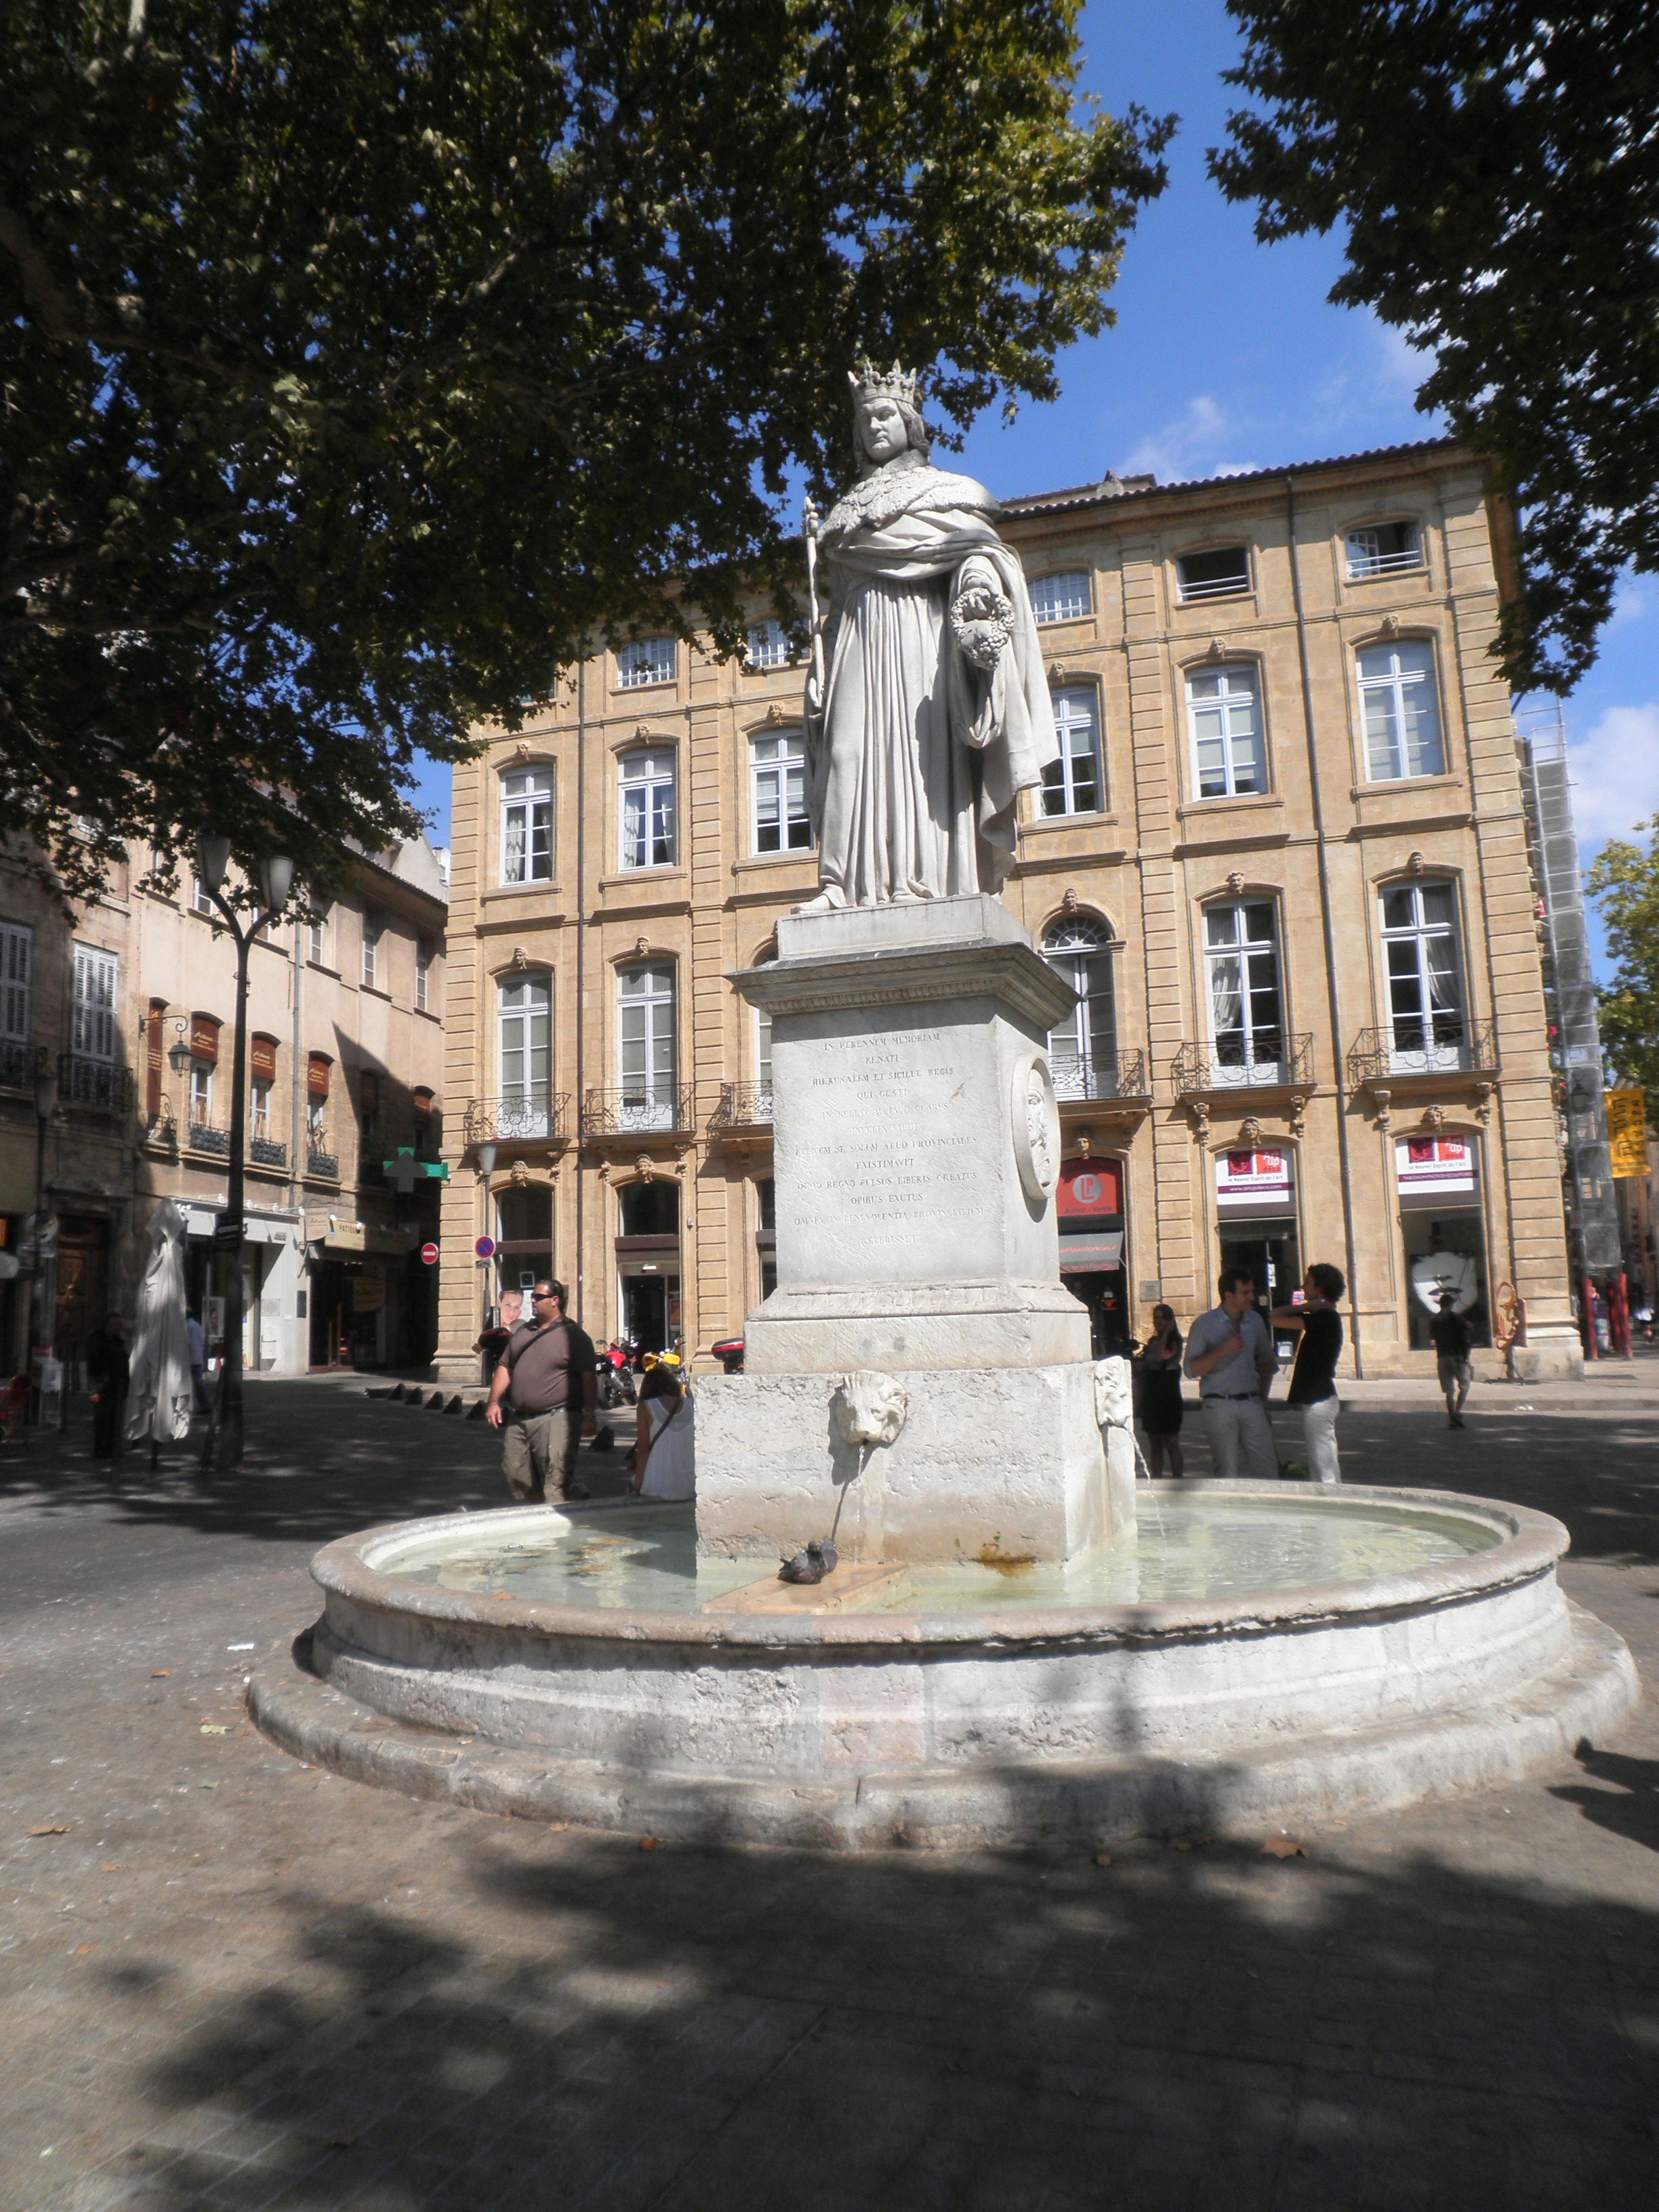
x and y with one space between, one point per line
267 1152
518 1115
1098 1075
19 1064
97 1083
1273 1059
645 1111
742 1105
1442 1044
205 1137
325 1165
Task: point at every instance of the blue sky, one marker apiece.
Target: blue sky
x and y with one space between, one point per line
1226 355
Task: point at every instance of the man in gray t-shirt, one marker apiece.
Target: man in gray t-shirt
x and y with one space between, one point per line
1230 1354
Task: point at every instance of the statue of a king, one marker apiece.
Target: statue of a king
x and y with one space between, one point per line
928 711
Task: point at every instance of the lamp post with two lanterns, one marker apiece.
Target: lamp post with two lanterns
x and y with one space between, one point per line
223 1445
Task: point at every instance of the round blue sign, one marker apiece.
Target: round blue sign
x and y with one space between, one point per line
485 1248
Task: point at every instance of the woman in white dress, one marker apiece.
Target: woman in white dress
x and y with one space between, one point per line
664 1437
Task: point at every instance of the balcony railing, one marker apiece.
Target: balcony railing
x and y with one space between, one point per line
320 1161
1363 565
742 1105
98 1083
517 1116
208 1137
264 1151
19 1064
1098 1075
1270 1060
1444 1044
645 1111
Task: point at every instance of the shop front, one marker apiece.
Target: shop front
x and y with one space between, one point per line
647 1254
357 1297
1088 1207
1256 1224
1443 1231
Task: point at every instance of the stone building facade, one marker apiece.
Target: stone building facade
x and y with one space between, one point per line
115 1075
1284 862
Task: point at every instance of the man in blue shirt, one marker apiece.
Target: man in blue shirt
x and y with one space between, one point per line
1230 1354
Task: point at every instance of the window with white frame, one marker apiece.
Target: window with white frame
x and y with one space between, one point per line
200 901
777 781
1216 575
646 661
1424 976
764 1048
1383 548
524 1020
1247 1016
1224 712
1082 1050
1073 783
1399 704
1062 597
527 827
372 960
647 809
16 981
259 1108
201 1094
768 645
645 1046
423 977
317 938
97 984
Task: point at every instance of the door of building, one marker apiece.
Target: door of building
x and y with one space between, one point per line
82 1281
651 1310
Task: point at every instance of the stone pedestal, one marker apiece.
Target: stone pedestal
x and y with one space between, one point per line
917 1148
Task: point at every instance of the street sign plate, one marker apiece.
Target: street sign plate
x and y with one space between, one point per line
227 1230
485 1248
429 1253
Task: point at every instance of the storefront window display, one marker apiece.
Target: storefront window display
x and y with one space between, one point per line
1089 1205
1256 1220
1445 1233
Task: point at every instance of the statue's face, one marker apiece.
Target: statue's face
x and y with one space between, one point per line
882 428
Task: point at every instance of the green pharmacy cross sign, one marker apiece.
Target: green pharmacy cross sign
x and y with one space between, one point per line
405 1172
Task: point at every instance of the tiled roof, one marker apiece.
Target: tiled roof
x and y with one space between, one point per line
1042 502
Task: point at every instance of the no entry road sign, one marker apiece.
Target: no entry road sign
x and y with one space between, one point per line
429 1253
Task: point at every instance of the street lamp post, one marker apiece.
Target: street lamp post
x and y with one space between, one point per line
223 1445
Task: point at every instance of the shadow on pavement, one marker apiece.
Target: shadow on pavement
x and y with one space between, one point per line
688 2030
1631 1807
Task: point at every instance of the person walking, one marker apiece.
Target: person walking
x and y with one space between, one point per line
198 1362
542 1394
107 1377
665 1443
1313 1379
1448 1333
1160 1394
1229 1355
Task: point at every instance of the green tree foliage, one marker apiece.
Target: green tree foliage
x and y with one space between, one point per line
1625 881
364 359
1497 168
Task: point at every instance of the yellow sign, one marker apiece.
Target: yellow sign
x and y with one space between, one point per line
1627 1131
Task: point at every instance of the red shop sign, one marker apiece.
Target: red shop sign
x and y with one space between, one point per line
1090 1189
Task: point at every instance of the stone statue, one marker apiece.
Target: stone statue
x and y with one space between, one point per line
868 1409
927 706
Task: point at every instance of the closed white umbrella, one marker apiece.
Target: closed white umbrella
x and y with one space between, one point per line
159 1392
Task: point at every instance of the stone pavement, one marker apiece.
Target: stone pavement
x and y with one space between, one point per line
232 1981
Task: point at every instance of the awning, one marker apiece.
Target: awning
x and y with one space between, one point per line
1092 1255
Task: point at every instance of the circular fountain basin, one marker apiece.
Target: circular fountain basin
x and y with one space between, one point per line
1257 1654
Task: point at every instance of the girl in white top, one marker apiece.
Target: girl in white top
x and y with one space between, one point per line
665 1442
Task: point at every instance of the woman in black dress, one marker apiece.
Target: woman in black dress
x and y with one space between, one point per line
1160 1393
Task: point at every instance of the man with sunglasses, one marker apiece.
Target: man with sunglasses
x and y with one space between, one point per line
548 1371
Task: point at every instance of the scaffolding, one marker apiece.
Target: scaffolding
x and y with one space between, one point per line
1569 989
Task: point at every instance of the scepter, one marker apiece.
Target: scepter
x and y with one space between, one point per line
809 531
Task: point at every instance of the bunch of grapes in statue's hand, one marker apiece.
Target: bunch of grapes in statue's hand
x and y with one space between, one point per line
983 622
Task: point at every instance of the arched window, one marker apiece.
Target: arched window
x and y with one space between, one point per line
1400 702
262 1084
1426 980
648 660
527 826
1246 1015
645 1028
1224 712
651 1209
763 1047
524 1033
1083 1051
1061 597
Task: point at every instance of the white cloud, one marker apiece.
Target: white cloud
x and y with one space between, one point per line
1615 771
1189 447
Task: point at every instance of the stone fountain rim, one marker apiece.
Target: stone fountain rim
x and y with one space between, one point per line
1529 1546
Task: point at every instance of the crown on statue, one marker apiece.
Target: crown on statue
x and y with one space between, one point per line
895 383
